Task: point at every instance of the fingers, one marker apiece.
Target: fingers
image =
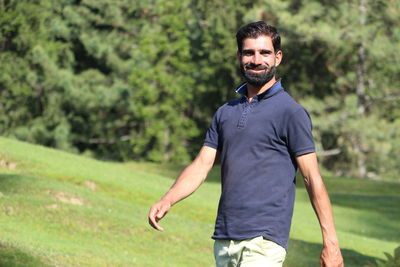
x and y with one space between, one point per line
153 221
157 212
161 213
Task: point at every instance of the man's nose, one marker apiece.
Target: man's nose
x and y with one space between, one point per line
257 59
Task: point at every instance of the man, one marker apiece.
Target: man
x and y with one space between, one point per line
262 137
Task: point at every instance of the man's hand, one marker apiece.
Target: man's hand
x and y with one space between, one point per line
187 182
308 165
157 212
331 257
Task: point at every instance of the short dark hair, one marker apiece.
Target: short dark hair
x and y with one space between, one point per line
256 29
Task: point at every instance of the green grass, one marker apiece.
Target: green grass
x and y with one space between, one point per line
60 209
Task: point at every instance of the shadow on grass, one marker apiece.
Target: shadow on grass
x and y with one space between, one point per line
14 257
305 254
378 208
388 206
15 183
9 255
381 209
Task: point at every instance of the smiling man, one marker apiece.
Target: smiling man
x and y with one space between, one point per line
263 137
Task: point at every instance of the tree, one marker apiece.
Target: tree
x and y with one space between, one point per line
336 50
141 80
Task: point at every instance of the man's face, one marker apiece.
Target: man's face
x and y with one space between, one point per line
258 60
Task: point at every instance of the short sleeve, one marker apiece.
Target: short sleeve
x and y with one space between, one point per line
299 133
212 135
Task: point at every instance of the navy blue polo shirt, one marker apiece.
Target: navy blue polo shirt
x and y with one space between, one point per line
259 141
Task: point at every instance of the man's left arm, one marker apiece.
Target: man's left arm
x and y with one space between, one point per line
308 165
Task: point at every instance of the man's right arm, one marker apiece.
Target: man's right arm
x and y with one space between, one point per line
187 182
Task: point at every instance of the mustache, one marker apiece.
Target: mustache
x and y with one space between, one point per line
252 66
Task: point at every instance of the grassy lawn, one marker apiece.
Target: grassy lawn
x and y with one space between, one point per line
59 209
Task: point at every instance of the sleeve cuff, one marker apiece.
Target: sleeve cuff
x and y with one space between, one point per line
304 151
212 145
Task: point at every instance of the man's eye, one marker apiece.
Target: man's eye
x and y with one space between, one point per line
247 52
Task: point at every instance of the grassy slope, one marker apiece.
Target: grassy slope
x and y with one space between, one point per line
51 215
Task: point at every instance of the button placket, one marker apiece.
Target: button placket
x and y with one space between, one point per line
247 109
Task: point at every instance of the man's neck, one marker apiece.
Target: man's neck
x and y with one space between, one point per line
256 90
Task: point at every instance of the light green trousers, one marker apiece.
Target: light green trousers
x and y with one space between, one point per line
254 252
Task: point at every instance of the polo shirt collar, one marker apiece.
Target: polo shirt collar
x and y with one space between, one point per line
242 89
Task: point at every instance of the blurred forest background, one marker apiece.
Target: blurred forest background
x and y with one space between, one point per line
140 80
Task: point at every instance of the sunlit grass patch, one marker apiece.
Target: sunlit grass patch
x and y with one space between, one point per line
60 209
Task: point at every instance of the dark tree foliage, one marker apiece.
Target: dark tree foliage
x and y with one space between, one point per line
140 80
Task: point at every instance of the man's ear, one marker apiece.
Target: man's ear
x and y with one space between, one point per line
238 55
278 58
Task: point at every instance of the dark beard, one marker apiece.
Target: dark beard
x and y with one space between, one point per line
257 79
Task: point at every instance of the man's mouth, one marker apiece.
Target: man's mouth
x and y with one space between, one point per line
256 68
